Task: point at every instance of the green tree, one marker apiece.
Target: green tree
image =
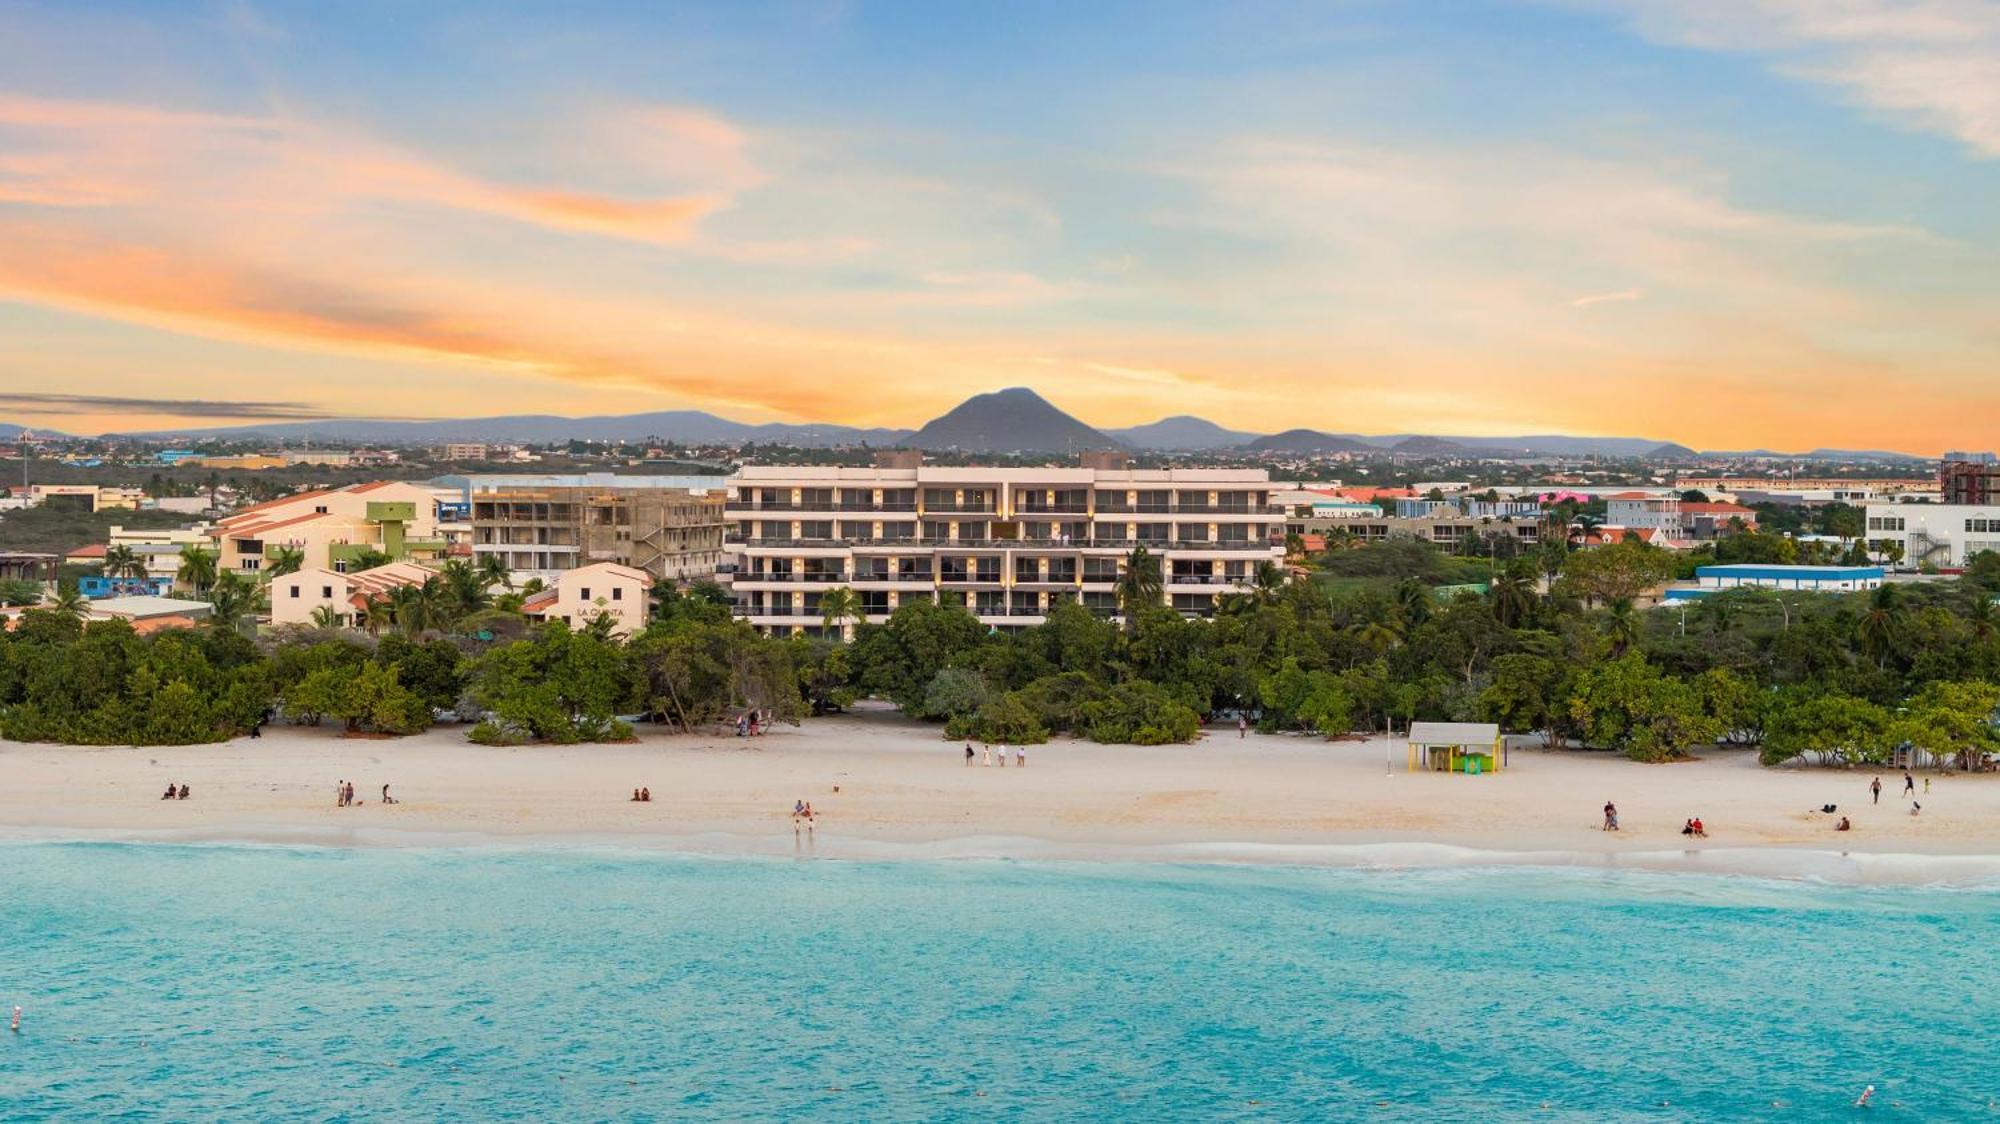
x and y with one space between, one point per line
285 560
121 561
839 605
1140 585
197 569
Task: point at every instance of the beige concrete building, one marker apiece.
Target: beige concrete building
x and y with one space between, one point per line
601 589
86 497
333 527
296 597
545 531
1008 543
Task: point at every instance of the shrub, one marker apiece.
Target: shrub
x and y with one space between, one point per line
1139 714
1006 719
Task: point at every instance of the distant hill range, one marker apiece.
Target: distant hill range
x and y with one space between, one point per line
690 427
1309 441
1015 420
1184 433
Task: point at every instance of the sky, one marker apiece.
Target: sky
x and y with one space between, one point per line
1729 223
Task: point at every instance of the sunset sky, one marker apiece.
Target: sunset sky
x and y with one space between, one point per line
1729 223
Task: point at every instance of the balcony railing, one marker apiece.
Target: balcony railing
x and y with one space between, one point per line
990 545
737 506
768 576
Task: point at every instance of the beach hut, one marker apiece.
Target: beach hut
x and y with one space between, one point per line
1456 747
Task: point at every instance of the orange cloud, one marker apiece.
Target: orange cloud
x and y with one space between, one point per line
95 153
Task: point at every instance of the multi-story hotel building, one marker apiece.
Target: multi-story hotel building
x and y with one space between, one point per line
1008 543
670 533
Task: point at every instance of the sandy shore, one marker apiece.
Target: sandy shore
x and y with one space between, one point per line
884 786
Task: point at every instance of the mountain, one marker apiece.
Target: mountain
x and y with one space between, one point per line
1309 441
685 426
1016 420
1182 432
1671 451
1814 455
9 431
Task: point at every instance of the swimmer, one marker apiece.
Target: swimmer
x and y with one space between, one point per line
1866 1094
16 1025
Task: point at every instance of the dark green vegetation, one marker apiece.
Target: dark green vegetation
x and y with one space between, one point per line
1834 679
53 530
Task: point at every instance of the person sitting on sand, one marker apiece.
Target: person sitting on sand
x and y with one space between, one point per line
1916 808
635 796
184 792
1700 831
1843 825
170 791
645 796
1610 816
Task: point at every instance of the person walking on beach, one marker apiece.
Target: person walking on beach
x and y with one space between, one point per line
1875 789
1909 784
988 762
1021 756
340 794
1003 755
968 753
1610 816
1242 726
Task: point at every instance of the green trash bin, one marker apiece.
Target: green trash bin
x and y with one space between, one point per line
1472 765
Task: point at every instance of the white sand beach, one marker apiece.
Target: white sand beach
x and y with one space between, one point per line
883 785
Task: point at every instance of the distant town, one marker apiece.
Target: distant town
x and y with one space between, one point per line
1006 505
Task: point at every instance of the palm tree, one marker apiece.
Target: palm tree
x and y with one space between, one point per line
466 588
1413 597
286 560
198 568
230 600
1140 585
1877 627
837 606
70 600
494 569
326 616
1622 625
1267 581
122 561
377 614
1513 597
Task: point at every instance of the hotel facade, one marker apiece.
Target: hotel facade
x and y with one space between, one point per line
1008 543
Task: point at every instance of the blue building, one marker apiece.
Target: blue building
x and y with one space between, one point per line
1806 579
98 586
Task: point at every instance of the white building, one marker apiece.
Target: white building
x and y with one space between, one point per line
1643 511
1008 543
601 589
1945 536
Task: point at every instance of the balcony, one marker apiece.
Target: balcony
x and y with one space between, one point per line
734 507
1052 509
1242 510
804 579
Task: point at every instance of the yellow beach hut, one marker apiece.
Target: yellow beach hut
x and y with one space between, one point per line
1456 747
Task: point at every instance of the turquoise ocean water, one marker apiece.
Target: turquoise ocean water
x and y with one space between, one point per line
264 983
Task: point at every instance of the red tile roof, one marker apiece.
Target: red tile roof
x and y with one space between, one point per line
94 550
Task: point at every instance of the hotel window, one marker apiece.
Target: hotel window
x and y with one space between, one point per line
295 591
617 594
326 591
586 593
